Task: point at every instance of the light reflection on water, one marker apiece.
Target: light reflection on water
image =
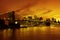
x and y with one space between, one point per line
31 33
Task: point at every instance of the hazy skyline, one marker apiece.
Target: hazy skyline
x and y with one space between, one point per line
31 7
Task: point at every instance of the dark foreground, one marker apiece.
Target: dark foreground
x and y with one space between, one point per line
31 33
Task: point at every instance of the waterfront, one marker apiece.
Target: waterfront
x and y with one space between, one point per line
31 33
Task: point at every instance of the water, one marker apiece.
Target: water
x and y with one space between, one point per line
31 33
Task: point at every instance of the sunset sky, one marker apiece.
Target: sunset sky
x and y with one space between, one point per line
46 8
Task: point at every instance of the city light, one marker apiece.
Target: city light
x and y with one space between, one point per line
16 22
57 19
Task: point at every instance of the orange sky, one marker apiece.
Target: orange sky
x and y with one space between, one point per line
32 7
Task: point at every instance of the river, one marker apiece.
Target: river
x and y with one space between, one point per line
31 33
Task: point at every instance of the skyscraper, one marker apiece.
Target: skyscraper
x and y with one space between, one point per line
12 19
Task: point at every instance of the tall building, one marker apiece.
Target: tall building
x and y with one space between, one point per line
11 19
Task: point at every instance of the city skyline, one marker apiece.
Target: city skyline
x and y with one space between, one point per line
31 7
